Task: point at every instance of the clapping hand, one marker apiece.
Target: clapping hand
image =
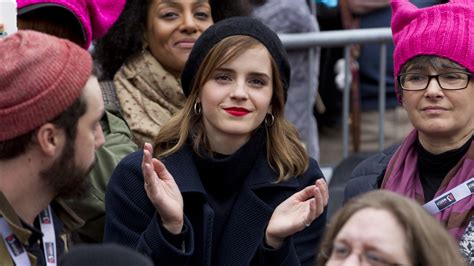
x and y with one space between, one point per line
162 191
296 213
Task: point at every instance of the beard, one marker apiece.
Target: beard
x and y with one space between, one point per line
65 177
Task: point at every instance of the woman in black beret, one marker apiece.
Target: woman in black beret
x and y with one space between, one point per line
233 184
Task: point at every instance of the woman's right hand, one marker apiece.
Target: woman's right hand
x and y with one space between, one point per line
162 191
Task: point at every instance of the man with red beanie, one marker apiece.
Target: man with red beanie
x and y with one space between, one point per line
50 107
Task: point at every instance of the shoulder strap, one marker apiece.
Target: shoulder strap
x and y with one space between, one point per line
450 197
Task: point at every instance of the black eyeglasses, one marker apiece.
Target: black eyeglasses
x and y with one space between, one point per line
446 81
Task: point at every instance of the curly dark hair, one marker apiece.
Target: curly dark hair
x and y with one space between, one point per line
125 37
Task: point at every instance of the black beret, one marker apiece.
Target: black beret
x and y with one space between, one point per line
230 27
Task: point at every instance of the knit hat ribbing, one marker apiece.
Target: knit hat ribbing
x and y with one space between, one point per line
230 27
95 16
443 30
40 77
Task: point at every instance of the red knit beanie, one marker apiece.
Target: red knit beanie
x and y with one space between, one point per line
444 30
40 77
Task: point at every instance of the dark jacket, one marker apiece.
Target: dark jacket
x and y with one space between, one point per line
369 173
29 237
133 221
118 144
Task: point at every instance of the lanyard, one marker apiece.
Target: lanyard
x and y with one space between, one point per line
49 237
449 198
16 249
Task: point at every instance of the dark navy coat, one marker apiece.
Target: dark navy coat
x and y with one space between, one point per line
369 173
133 221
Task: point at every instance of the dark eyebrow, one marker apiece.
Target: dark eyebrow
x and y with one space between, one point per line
174 1
223 69
258 74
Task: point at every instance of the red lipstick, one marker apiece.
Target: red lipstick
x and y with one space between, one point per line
237 111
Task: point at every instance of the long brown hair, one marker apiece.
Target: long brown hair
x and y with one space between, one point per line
285 153
428 243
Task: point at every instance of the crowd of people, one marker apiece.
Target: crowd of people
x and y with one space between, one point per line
159 132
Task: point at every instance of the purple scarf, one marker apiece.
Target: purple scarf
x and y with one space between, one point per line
402 177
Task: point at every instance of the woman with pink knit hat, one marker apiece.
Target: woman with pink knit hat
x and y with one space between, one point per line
80 21
434 66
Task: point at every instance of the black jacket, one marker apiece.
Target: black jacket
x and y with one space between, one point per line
133 221
369 173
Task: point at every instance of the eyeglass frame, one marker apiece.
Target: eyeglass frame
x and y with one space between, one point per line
436 77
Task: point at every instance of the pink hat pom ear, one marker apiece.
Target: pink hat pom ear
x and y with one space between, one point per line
467 2
403 12
95 16
103 14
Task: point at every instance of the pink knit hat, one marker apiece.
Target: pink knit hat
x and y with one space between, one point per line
40 77
445 30
95 16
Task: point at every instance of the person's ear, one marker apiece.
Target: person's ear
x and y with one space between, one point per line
198 98
50 139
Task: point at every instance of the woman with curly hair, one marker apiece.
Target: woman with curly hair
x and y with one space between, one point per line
143 55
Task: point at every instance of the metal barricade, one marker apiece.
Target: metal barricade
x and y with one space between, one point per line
345 38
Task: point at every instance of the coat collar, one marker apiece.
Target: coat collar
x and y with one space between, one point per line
182 168
10 216
69 219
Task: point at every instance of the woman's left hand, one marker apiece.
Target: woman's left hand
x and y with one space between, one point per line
296 213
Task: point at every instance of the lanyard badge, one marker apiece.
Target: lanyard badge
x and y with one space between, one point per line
17 251
49 237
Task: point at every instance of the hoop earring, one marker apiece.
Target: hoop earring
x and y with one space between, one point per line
197 108
269 120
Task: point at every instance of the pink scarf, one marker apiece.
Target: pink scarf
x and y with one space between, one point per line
402 177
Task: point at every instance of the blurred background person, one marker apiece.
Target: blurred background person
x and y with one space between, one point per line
294 16
384 228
